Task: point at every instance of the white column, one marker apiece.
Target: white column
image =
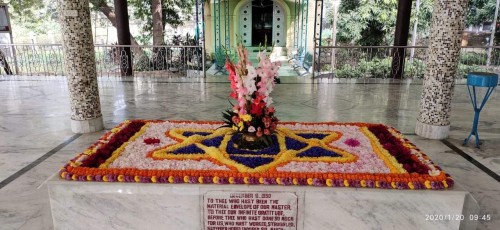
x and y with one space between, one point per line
80 66
448 19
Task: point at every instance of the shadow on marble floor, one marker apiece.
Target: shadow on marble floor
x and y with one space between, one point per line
35 120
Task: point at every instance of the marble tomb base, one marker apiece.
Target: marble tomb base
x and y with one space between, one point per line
98 205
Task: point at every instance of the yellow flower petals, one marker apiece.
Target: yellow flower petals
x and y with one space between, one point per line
329 182
427 184
410 184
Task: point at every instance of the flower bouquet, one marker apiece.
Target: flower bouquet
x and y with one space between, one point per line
252 119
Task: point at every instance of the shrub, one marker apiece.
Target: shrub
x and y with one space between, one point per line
463 70
381 68
376 68
470 58
348 71
415 69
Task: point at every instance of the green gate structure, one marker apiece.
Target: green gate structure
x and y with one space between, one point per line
200 34
318 24
304 11
296 26
219 45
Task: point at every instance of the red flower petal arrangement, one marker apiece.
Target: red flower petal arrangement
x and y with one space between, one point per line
316 154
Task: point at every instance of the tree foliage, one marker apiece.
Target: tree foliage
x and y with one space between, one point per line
480 11
373 22
174 13
34 15
26 9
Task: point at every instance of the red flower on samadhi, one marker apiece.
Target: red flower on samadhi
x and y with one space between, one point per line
257 109
151 141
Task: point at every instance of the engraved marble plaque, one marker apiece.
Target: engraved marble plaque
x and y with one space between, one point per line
233 210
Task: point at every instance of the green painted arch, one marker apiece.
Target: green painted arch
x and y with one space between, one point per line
236 27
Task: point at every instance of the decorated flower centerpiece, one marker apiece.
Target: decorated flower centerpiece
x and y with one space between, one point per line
252 118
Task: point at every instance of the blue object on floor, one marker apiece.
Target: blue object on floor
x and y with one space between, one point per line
479 79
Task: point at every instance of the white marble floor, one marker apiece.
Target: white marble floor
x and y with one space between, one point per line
34 121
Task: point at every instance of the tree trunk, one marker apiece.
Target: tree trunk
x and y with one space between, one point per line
110 14
156 10
159 56
334 35
5 64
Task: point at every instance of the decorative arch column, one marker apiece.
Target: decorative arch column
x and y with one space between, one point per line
448 19
80 66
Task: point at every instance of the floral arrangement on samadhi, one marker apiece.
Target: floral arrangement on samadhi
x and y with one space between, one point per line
252 117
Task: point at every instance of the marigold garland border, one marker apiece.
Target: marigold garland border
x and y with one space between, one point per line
76 172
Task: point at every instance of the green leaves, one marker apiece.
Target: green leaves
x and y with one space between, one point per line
228 115
174 13
372 22
480 11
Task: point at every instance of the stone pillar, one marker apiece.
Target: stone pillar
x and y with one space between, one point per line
448 20
80 66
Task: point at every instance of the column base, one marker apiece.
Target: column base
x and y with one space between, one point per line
87 126
436 132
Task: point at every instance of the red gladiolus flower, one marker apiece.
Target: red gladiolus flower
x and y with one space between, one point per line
258 99
233 95
270 109
230 67
257 109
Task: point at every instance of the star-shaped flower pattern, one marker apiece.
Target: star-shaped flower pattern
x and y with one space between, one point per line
218 146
